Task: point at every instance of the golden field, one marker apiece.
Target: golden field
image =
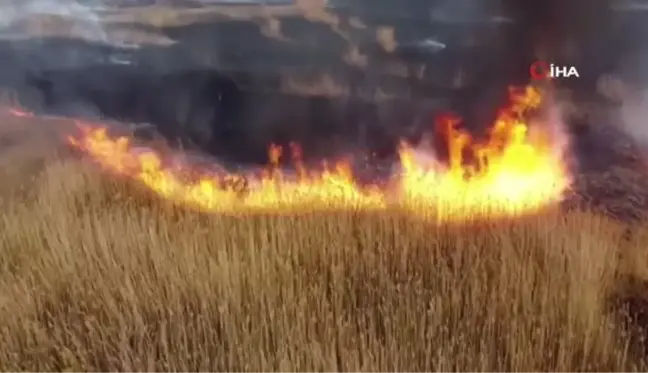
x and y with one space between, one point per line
97 275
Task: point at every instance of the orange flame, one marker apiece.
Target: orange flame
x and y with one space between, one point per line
515 171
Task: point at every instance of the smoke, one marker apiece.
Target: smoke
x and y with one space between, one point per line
46 17
633 119
633 107
74 20
550 127
625 84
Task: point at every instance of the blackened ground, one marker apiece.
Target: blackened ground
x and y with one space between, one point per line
209 111
235 115
215 113
234 108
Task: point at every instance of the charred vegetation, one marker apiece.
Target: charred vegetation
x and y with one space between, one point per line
222 87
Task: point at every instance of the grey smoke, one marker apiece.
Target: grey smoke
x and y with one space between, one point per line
633 110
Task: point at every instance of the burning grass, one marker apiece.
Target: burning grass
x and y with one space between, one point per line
518 169
98 274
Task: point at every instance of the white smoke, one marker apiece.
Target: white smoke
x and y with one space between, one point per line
80 17
425 156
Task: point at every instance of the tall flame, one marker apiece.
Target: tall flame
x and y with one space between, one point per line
515 171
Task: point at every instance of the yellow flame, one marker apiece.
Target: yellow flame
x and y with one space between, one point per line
509 174
512 172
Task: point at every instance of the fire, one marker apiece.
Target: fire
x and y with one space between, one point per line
515 171
270 191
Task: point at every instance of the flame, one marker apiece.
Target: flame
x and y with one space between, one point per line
515 171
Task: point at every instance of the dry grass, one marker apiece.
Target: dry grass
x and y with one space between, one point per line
97 275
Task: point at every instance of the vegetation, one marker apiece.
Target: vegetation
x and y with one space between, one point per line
97 275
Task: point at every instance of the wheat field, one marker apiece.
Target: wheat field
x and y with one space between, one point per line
98 275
